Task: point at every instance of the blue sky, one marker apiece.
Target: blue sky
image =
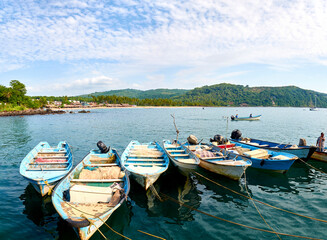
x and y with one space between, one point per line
75 47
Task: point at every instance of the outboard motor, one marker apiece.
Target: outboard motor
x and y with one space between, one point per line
302 142
232 117
103 148
219 139
192 140
236 134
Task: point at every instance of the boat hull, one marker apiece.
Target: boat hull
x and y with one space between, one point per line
44 189
320 156
254 118
232 172
145 180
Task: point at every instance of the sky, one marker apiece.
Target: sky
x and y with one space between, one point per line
74 47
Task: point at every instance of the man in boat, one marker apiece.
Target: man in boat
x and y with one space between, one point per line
321 142
250 115
236 115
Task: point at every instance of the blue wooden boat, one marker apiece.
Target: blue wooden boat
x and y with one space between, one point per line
303 152
145 162
263 158
253 118
212 159
91 192
180 156
44 165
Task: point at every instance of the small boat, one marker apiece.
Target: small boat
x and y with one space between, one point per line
91 192
320 155
257 117
263 158
303 152
213 160
180 156
315 107
145 162
44 165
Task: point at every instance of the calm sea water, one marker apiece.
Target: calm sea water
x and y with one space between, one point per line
25 215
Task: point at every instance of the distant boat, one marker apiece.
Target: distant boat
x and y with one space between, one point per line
257 117
315 107
303 152
180 156
44 165
262 158
145 162
91 192
211 159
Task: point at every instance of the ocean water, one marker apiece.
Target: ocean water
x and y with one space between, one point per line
303 189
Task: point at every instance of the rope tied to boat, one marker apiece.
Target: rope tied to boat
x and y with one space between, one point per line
277 208
92 223
319 170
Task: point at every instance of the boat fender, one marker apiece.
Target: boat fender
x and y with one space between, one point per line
262 162
103 148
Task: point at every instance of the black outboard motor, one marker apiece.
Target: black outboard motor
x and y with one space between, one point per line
103 148
219 139
236 134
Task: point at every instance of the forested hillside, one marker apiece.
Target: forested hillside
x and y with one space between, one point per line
133 93
237 95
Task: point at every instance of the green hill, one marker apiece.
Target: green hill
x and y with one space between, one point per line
133 93
237 95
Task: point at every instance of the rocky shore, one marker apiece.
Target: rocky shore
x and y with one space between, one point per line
31 112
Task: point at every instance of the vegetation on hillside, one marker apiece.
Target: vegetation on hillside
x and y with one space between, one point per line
14 98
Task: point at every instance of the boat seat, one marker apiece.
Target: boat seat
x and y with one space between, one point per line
209 158
51 157
280 157
48 163
100 164
145 156
97 180
179 155
187 160
144 159
145 164
177 150
47 169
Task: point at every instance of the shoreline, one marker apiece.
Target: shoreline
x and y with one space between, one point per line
31 112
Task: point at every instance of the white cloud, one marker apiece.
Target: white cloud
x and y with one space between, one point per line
149 34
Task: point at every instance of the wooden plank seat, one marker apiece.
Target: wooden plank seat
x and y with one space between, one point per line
145 156
46 169
48 163
179 155
186 160
146 164
52 153
52 157
97 180
209 158
100 164
177 150
144 159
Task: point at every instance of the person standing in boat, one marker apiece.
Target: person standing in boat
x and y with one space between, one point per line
250 115
321 142
236 115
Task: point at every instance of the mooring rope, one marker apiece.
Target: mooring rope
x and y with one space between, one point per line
151 235
319 170
246 188
284 210
235 223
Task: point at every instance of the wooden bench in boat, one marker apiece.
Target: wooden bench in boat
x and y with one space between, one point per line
51 157
145 156
146 164
97 180
179 155
172 146
228 162
52 153
209 158
144 159
48 163
186 160
47 169
100 164
172 151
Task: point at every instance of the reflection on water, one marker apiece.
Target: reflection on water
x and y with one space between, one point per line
42 213
174 185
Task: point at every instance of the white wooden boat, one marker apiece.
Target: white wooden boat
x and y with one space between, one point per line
228 165
254 118
44 165
145 162
91 192
180 156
